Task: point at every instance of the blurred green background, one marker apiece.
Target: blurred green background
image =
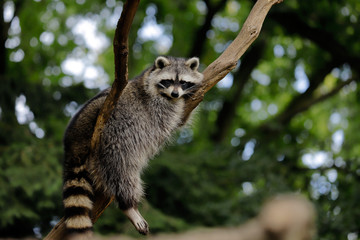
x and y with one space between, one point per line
285 120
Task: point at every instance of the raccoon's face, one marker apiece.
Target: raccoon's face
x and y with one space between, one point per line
174 78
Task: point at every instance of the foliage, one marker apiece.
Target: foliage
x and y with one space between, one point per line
31 187
285 120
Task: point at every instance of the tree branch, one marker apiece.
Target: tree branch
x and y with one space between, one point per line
227 61
121 79
121 53
301 106
315 79
325 96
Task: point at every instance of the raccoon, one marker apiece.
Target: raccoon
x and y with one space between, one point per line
147 114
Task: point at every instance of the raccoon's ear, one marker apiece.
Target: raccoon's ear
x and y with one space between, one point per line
161 62
193 63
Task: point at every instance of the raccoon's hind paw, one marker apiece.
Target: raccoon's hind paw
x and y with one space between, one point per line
142 227
137 220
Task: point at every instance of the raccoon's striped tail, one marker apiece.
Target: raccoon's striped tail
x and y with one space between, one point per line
78 198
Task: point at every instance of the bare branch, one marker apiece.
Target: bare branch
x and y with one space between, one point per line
121 53
227 61
121 79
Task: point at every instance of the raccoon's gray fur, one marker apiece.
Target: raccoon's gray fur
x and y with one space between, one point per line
148 112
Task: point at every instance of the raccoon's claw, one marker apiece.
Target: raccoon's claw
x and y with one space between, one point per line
142 227
137 220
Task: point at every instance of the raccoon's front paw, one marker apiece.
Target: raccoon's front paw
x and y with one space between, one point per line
142 227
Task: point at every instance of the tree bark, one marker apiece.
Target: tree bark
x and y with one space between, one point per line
212 74
121 52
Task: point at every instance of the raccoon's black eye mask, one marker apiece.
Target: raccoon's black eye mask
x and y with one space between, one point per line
186 85
166 83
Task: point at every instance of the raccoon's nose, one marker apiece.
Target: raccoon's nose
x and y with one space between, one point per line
175 94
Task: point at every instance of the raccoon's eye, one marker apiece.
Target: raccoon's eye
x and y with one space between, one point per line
186 85
166 83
